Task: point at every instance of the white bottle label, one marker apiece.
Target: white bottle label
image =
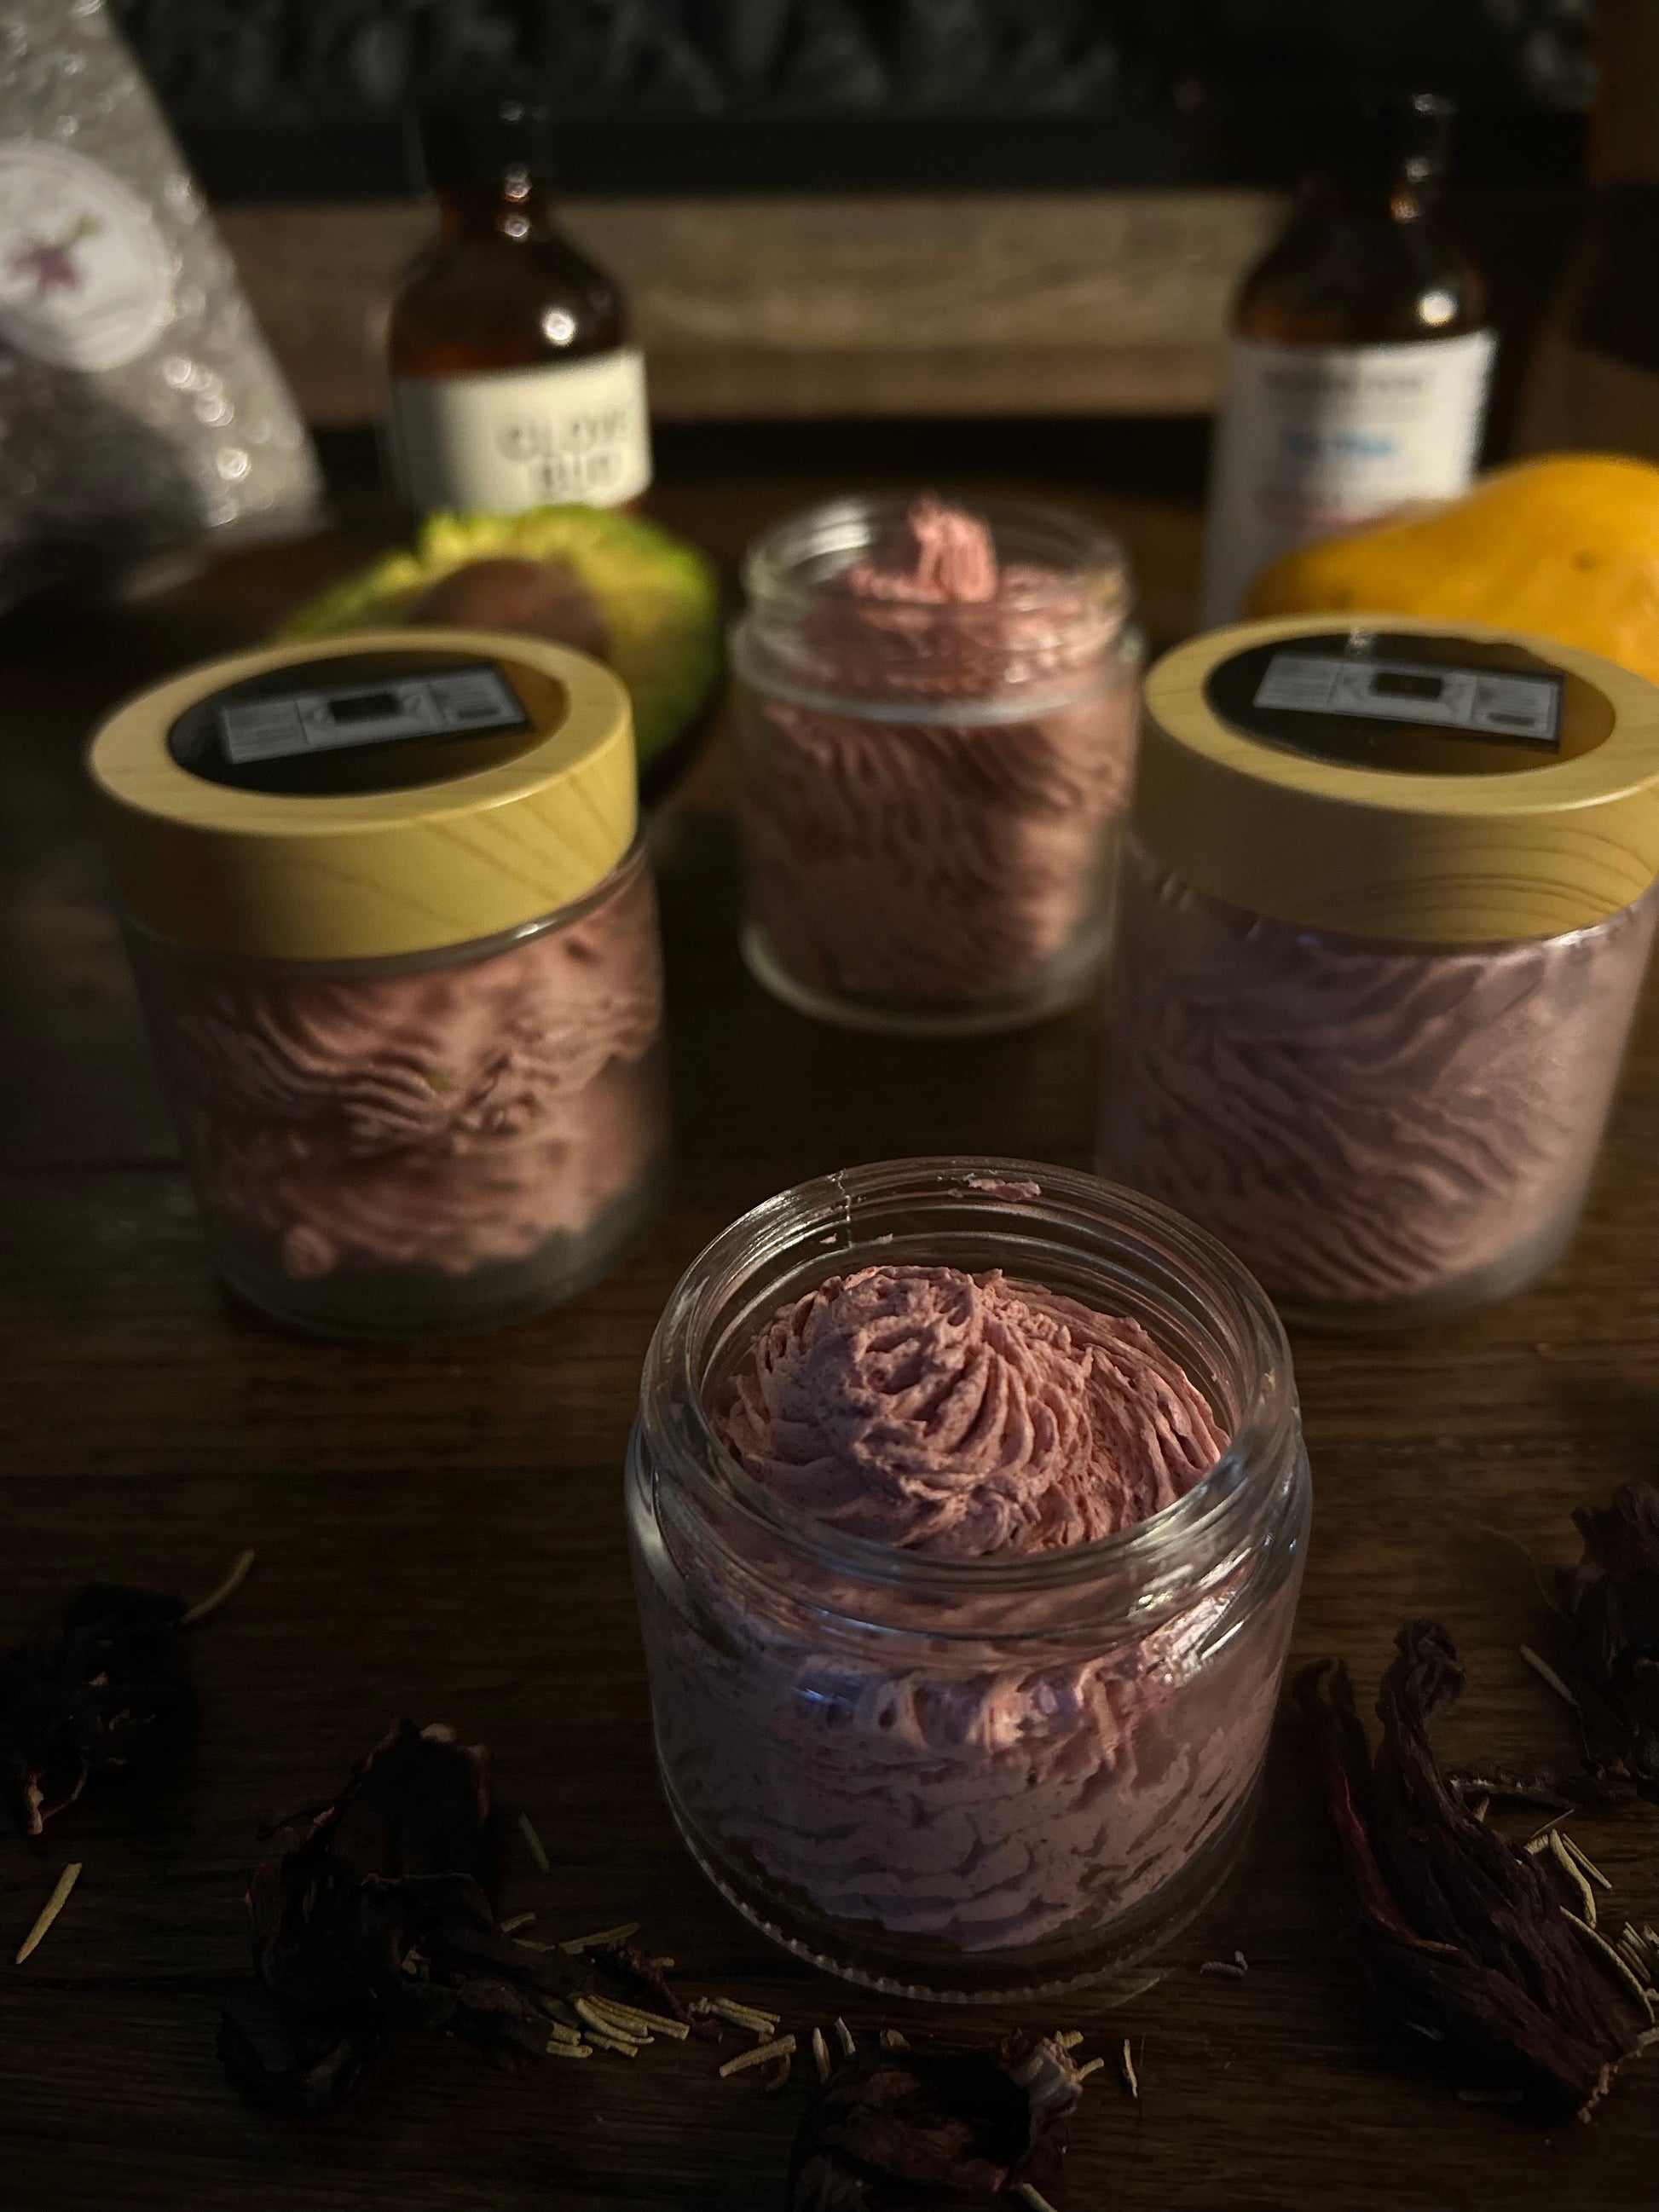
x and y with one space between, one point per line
1314 440
571 432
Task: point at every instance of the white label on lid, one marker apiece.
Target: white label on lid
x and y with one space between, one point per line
1315 439
568 433
454 702
1482 702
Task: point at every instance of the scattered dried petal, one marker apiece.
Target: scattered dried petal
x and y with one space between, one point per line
1541 1787
101 1685
1612 1601
893 2122
383 1918
1462 1938
49 1912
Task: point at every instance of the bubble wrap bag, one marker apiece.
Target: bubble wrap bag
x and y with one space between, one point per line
139 407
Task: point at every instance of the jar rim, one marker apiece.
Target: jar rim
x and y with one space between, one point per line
1195 1532
1056 550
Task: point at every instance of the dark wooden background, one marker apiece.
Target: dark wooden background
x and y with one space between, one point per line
439 1533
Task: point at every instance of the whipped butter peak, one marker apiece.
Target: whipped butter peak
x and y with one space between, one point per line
964 1416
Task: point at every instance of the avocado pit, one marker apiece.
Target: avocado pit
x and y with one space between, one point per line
541 598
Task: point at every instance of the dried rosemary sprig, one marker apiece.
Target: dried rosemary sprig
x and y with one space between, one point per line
240 1568
1462 1937
780 2046
49 1912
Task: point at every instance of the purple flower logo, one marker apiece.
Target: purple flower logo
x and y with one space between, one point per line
49 263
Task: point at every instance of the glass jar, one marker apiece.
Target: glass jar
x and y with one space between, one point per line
442 1141
1386 903
397 941
967 1778
1381 1131
936 734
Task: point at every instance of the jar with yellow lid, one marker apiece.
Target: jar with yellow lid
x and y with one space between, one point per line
1383 923
396 942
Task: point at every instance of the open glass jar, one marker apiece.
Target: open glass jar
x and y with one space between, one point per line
936 723
1384 912
398 946
967 1778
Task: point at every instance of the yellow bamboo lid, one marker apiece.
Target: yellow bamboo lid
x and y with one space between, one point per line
1433 783
391 792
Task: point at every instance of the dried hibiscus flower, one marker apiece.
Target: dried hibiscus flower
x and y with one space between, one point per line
1463 1940
900 2128
384 1917
100 1684
1611 1603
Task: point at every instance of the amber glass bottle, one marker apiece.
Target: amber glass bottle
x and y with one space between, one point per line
1594 382
1359 358
512 383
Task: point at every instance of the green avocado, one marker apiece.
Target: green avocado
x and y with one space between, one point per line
657 599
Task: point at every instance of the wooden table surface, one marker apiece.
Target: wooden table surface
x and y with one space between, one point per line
439 1533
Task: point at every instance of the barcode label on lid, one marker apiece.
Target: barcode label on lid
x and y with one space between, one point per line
453 703
1526 709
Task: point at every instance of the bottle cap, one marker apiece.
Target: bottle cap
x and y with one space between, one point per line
1401 779
387 792
483 143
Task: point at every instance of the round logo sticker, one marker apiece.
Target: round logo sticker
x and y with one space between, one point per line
86 279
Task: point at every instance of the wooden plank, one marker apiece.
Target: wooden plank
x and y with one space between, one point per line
1079 303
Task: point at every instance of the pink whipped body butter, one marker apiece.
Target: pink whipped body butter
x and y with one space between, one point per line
1386 904
399 952
966 1593
937 717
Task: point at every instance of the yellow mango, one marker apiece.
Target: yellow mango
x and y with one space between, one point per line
1565 547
